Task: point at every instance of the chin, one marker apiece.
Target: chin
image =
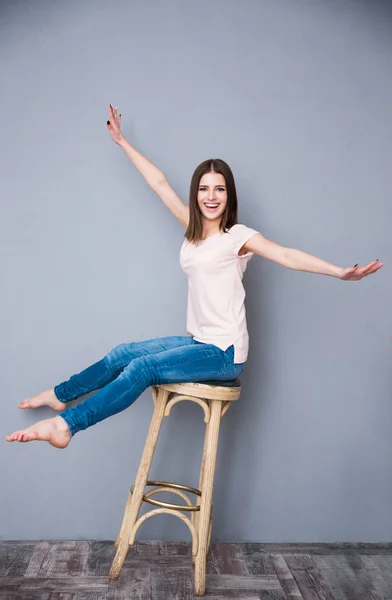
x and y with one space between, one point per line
209 217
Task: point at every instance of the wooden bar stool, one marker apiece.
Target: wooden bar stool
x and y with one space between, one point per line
215 398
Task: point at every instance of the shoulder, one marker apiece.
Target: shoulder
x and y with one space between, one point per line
237 228
240 231
239 234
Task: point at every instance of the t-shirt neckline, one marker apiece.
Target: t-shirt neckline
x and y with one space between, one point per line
213 235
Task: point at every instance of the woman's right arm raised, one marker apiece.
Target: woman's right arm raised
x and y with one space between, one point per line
155 178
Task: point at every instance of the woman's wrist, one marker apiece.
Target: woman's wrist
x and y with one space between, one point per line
337 272
123 142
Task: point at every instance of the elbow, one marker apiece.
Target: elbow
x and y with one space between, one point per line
159 183
285 258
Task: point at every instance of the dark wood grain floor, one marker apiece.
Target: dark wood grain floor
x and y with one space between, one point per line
51 570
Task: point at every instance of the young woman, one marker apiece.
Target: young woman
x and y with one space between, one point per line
214 256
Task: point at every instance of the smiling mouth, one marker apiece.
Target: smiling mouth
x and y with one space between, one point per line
211 205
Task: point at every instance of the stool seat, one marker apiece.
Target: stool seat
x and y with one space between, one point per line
208 390
230 383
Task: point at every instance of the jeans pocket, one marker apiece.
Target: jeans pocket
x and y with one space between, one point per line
229 353
231 370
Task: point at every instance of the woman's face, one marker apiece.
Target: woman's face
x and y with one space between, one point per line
212 196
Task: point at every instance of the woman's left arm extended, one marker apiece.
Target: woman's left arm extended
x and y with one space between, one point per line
301 261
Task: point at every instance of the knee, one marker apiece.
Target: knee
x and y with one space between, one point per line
143 368
120 354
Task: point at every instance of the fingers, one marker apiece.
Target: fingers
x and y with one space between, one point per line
375 269
117 117
112 112
355 273
369 269
110 120
372 267
114 117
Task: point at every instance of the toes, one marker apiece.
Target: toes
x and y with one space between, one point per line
29 436
24 436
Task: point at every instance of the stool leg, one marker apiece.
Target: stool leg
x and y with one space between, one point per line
135 499
121 532
209 461
196 515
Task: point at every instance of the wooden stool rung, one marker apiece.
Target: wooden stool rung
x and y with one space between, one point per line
167 511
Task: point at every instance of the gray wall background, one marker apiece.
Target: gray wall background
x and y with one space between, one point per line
296 97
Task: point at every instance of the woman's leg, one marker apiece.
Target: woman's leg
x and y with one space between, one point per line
109 368
192 362
102 372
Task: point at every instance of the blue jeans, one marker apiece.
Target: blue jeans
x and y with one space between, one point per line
123 374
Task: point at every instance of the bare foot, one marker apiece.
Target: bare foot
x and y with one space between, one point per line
55 431
46 398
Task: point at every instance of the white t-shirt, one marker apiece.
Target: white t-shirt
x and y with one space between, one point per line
216 309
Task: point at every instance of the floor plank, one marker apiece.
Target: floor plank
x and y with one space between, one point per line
308 578
65 559
250 583
325 548
131 584
15 557
285 577
258 561
172 584
226 559
63 584
102 554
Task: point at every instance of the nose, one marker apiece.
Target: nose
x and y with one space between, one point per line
211 195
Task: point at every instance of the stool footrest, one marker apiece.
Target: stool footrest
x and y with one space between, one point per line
175 488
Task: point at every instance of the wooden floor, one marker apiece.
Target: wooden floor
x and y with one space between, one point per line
163 571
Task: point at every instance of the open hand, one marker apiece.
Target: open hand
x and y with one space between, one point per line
355 273
114 125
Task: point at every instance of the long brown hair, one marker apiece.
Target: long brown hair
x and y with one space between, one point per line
194 232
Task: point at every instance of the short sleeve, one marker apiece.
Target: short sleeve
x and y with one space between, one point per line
239 235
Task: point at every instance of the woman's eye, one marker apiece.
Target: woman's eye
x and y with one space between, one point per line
220 189
202 189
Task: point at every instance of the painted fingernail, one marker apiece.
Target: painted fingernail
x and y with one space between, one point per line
108 122
110 106
355 265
